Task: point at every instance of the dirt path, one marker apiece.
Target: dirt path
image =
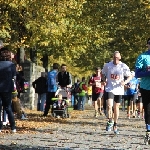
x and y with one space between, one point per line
81 132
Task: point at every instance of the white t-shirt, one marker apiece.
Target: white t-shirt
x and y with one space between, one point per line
114 75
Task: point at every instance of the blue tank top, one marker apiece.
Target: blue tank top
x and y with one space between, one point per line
143 63
133 86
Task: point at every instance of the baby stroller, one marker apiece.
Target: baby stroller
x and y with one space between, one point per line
60 108
60 104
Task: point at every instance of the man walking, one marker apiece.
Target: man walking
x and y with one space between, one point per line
52 87
40 86
64 78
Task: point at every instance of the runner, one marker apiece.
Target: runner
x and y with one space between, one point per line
114 73
97 91
142 67
132 88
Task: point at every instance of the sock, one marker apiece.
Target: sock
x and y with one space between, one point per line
115 124
110 120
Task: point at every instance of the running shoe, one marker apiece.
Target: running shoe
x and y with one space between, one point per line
115 130
96 114
109 126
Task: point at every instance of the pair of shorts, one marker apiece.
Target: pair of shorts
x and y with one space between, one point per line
139 100
95 96
132 97
124 97
116 98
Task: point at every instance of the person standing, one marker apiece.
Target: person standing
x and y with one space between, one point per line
82 94
89 94
76 94
142 70
40 86
97 91
52 87
113 75
7 75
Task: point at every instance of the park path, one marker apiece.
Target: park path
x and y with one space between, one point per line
80 132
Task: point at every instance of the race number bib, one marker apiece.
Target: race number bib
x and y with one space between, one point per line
115 77
98 84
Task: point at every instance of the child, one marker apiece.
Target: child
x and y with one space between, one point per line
16 106
61 103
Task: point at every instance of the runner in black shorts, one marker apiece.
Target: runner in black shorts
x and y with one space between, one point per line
97 91
131 103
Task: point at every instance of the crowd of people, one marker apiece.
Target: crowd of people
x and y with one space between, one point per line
106 89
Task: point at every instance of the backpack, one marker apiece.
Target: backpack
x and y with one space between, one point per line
52 78
77 88
80 88
23 86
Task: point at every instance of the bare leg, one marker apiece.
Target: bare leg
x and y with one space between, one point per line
109 108
116 111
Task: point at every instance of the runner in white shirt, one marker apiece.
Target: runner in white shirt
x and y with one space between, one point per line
113 74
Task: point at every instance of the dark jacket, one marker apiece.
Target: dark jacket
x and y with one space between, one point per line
7 73
40 85
64 79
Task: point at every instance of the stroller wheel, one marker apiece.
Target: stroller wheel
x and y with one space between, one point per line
54 115
63 115
68 116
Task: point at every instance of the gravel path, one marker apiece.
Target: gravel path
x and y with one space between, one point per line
81 132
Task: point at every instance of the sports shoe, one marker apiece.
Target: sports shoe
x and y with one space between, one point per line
109 126
128 116
96 114
138 114
147 138
115 130
13 131
23 117
4 123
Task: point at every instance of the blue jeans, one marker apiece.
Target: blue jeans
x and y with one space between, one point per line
4 115
41 101
5 101
81 100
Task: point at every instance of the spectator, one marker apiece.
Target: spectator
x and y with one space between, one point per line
82 94
52 87
7 74
17 107
40 86
89 94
